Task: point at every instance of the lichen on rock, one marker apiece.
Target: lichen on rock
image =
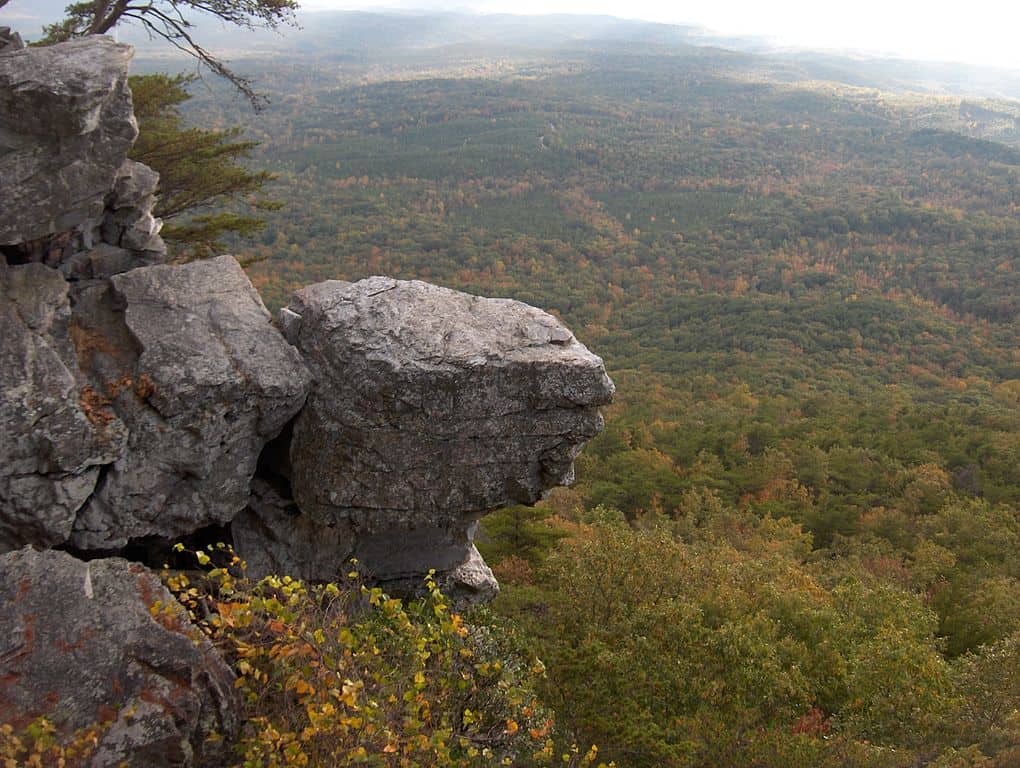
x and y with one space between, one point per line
103 643
55 435
202 380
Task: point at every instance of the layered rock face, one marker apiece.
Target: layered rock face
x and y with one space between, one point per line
431 407
142 401
83 645
190 363
59 165
53 440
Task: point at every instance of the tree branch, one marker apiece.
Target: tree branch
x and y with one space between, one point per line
174 32
106 17
167 19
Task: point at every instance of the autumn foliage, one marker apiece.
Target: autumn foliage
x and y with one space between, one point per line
342 674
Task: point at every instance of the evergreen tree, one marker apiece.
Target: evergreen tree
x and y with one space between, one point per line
198 169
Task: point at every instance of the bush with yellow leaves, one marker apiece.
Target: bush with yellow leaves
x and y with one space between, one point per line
342 674
38 745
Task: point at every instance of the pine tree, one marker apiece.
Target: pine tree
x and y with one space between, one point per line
198 169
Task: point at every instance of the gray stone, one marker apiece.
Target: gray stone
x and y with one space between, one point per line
10 41
272 536
471 582
83 643
105 260
58 166
430 408
129 222
55 432
76 267
202 380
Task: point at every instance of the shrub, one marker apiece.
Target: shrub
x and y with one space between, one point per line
342 674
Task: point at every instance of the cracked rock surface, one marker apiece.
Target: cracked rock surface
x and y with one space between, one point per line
188 359
431 407
52 440
80 643
59 164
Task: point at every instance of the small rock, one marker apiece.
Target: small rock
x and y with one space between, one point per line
471 582
129 222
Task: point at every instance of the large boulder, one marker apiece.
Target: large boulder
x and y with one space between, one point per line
66 124
55 433
103 643
191 363
430 408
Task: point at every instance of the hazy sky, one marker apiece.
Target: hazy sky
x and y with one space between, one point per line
974 31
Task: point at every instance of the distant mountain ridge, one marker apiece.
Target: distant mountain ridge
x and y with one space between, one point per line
379 34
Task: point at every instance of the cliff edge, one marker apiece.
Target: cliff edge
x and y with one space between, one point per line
143 401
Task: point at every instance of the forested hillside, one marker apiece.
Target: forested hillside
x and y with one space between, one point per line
796 542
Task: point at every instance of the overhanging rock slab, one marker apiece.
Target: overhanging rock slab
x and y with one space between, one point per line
430 408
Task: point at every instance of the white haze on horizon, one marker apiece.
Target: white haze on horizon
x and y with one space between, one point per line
979 32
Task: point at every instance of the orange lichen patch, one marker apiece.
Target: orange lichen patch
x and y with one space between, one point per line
87 342
95 407
144 387
114 388
168 701
181 692
28 636
145 590
150 697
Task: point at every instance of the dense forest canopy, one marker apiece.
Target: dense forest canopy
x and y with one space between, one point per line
796 542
